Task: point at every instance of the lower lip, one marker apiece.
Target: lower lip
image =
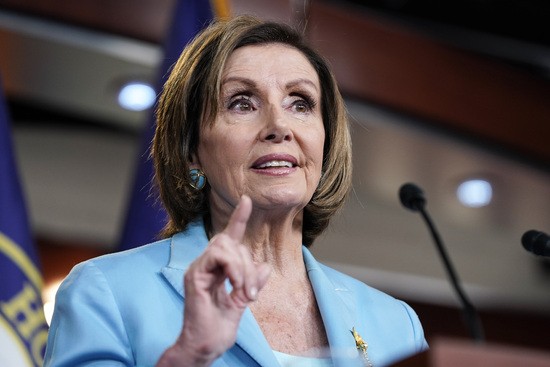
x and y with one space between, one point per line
275 171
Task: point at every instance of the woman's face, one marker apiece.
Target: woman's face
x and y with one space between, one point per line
267 140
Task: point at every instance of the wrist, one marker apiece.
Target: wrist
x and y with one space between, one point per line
189 351
185 356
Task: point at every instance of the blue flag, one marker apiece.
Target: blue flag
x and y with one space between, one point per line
23 328
146 217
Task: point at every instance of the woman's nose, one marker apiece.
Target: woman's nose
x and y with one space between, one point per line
277 128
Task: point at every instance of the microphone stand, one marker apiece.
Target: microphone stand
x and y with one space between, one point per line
469 311
412 198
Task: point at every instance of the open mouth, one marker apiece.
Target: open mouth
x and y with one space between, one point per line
274 161
275 164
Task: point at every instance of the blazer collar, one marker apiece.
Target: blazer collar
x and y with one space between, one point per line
338 311
334 299
185 247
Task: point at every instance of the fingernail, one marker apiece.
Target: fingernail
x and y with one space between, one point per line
253 293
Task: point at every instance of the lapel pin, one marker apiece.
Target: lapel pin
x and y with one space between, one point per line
361 346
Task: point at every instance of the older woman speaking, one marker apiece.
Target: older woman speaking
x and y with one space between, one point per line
253 157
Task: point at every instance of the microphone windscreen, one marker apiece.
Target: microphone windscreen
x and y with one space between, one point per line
536 242
411 197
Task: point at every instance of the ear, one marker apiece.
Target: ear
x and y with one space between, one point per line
194 163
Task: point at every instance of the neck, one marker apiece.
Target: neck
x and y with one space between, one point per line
274 238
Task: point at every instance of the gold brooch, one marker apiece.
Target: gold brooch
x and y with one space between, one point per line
361 346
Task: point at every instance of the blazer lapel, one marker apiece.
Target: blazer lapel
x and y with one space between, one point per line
338 312
334 300
184 249
251 339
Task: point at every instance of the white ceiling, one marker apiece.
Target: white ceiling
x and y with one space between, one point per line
77 179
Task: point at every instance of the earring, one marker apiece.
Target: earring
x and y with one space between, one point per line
198 179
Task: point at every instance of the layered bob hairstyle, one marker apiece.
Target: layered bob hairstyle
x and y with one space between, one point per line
189 102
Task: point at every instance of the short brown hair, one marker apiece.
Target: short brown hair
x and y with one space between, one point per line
190 98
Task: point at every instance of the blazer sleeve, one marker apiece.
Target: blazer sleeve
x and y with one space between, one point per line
418 331
87 328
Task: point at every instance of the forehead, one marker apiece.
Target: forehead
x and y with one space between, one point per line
273 60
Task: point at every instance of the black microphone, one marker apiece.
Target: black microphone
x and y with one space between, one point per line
536 242
412 198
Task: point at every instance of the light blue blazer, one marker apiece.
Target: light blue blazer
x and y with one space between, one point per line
125 309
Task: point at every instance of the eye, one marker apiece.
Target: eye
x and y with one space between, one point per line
241 104
303 104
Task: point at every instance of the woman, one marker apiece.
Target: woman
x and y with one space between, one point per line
253 157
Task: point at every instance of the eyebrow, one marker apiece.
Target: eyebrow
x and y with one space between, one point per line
299 81
250 83
245 81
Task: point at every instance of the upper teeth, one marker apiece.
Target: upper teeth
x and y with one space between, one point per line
275 164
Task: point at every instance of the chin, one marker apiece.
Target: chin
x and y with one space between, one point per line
286 198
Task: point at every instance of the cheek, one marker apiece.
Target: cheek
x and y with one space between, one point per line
315 143
222 149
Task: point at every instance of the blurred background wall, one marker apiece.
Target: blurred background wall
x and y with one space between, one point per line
438 93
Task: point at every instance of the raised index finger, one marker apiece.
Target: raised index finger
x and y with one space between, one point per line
237 222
